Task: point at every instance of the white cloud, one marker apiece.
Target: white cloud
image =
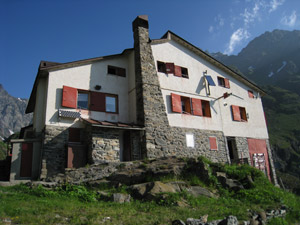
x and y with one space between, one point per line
250 15
289 20
237 36
274 4
219 22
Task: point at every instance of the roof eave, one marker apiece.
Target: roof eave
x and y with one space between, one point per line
84 61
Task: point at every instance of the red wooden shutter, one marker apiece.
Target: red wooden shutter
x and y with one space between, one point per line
170 67
227 85
250 94
236 113
213 143
69 97
176 103
122 72
197 107
178 71
97 101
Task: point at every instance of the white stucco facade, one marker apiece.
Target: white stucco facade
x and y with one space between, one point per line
194 87
85 77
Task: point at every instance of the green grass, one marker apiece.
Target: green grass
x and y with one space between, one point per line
81 205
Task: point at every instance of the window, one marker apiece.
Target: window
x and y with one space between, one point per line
190 140
181 72
83 100
213 143
205 108
239 113
111 102
184 72
223 82
116 71
161 67
193 106
186 105
90 100
172 68
250 94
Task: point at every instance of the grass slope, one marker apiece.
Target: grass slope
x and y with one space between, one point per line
81 205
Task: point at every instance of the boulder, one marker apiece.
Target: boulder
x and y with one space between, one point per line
191 221
178 222
231 184
198 191
230 220
121 198
178 185
150 190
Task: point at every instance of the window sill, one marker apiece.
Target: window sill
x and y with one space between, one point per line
111 74
115 113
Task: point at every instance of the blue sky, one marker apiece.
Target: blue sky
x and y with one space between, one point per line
69 30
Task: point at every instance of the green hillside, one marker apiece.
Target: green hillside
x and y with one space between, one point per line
78 204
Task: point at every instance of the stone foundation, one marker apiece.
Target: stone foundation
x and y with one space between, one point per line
104 145
171 141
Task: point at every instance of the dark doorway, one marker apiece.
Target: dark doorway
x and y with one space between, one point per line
76 156
74 134
26 159
233 153
127 146
77 151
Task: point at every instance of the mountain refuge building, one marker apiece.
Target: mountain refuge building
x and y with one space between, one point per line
163 97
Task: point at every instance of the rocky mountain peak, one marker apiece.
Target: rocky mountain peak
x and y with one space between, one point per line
12 113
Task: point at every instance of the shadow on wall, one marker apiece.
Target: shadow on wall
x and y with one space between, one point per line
200 85
54 150
169 104
5 166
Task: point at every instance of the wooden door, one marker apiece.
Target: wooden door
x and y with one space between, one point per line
77 156
26 159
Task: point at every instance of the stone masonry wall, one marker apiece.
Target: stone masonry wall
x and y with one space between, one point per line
242 148
104 145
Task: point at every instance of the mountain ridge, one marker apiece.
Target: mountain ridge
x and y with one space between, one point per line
12 113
